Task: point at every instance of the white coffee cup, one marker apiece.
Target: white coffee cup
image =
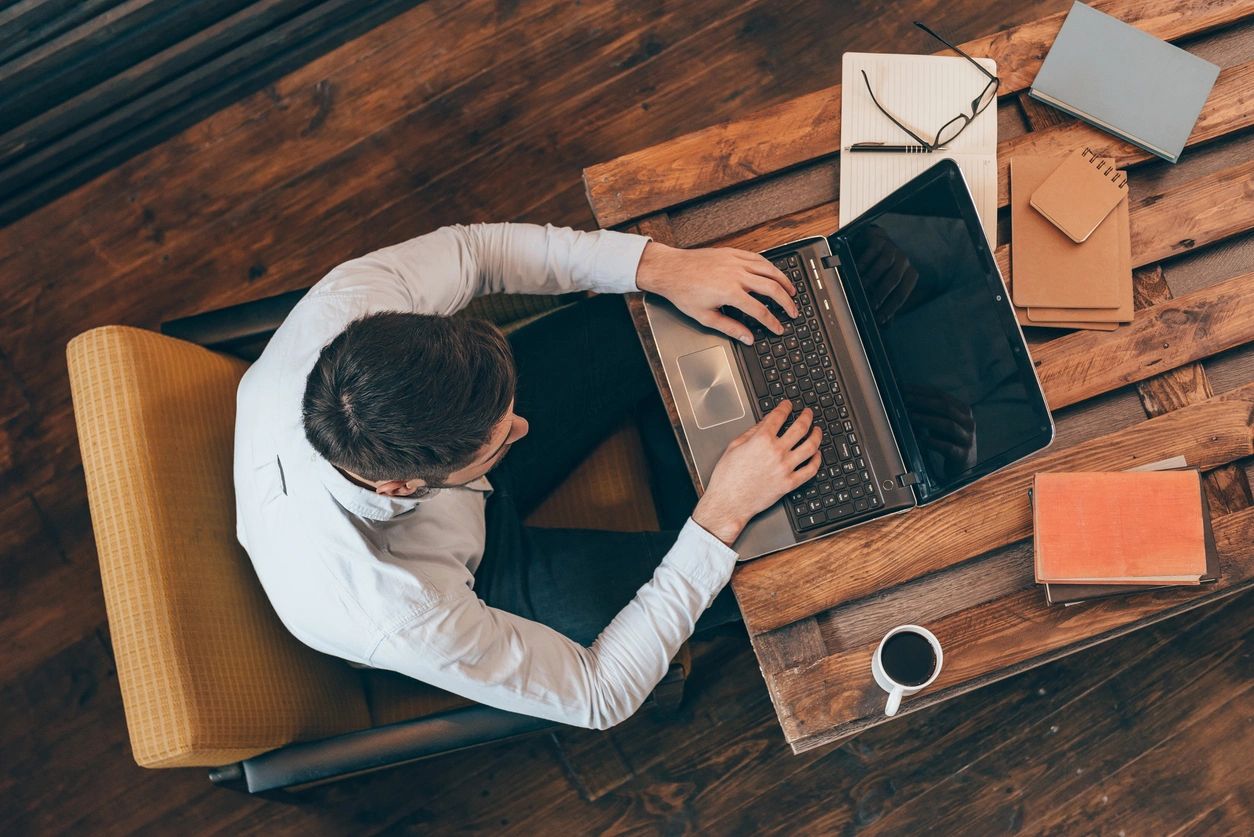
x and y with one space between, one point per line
896 691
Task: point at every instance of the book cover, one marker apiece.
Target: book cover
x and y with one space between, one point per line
1119 528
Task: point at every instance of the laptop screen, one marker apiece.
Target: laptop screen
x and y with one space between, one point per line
938 318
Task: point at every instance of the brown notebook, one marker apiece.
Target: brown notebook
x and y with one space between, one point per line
1071 594
1119 528
1080 193
1050 270
1101 316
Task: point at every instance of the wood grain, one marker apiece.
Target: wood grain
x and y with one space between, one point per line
1228 110
834 696
807 127
991 513
1176 220
1161 337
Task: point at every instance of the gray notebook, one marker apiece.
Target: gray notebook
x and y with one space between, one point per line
1124 81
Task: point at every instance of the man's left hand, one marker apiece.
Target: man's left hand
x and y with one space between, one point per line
700 282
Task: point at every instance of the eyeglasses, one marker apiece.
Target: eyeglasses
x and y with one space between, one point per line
951 129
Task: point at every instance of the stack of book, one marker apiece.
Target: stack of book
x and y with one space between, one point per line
1097 535
1070 251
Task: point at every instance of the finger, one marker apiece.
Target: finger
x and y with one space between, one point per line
806 472
798 429
766 287
774 420
759 312
732 328
761 267
807 448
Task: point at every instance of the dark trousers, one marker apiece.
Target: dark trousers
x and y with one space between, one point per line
581 371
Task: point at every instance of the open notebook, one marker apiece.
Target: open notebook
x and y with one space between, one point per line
924 92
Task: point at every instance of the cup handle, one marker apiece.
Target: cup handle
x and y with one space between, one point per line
894 701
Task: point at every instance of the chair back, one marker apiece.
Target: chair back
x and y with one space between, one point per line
208 673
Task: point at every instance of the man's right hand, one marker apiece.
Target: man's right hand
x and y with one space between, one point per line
758 467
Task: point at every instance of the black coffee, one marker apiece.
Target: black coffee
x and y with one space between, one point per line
908 658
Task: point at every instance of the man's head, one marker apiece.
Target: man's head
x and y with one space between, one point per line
402 401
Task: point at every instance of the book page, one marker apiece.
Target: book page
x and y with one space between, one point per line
923 92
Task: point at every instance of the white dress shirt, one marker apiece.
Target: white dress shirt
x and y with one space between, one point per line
388 582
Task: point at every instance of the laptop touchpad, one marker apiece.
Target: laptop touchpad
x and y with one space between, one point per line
711 387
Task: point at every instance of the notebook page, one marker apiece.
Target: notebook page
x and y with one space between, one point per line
924 92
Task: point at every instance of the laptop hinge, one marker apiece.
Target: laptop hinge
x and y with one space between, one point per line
831 262
908 478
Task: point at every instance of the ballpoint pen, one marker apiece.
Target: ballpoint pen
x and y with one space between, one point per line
879 146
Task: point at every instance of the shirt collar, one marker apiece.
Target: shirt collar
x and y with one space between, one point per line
372 505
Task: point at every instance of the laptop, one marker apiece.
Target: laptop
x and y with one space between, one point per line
906 349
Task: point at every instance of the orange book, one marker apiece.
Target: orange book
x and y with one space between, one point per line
1119 528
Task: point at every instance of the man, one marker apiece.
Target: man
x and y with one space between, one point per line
366 431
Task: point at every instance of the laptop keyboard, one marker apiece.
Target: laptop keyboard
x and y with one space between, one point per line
799 366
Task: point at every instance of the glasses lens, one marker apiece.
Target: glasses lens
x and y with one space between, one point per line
986 98
950 130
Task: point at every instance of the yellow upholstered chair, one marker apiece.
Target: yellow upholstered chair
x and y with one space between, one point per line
209 676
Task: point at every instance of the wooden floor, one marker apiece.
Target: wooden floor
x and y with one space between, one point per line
464 111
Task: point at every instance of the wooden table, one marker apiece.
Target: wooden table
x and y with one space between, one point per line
1139 394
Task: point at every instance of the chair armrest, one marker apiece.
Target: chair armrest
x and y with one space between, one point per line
298 766
241 330
309 763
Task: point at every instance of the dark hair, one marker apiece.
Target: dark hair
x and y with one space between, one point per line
401 396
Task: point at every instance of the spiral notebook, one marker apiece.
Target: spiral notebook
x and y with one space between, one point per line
1080 193
924 92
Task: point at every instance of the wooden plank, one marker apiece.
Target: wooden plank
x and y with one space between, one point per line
991 513
1228 110
49 171
1227 487
27 24
808 191
1168 223
99 47
57 117
833 697
1069 754
1161 337
808 127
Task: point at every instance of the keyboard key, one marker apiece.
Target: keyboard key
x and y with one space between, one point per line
771 374
775 387
861 505
839 511
842 497
762 347
811 520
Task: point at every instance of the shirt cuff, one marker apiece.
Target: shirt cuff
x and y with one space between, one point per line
618 256
702 558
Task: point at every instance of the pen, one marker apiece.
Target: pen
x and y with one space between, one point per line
879 146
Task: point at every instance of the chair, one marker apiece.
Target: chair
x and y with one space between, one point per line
209 676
